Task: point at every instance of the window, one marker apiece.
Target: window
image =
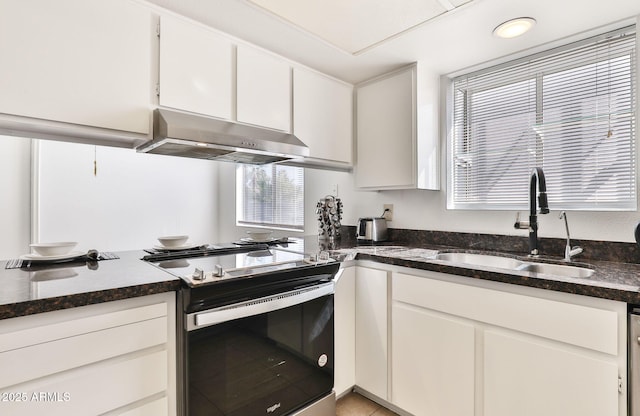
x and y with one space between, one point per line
270 196
570 111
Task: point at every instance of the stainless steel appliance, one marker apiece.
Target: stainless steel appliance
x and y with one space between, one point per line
178 133
634 362
372 229
256 331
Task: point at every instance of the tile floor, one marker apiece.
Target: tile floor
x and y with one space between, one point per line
353 404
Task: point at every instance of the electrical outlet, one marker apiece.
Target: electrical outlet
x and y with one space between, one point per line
388 215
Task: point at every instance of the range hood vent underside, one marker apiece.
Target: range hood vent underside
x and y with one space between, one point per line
182 148
183 134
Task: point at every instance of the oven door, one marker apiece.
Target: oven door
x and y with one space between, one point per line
267 356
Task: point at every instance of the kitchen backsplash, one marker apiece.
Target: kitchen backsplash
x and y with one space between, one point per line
551 247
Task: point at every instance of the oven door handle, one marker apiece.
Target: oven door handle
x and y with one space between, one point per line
258 306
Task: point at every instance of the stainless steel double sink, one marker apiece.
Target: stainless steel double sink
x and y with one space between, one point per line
508 263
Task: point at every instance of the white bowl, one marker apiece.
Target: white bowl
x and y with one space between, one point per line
173 240
259 235
53 249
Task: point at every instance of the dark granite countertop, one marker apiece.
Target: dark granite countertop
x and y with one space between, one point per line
66 286
28 292
610 280
616 268
616 278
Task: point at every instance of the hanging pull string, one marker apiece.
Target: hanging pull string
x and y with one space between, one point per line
609 132
95 161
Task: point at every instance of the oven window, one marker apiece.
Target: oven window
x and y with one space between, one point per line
269 364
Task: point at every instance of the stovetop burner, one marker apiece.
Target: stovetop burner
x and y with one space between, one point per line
206 250
219 263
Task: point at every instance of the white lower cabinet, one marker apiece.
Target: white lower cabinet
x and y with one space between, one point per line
116 357
493 349
532 377
371 331
345 329
433 362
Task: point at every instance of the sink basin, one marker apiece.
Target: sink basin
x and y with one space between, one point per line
557 269
486 260
508 263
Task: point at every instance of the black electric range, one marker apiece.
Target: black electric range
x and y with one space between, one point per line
255 332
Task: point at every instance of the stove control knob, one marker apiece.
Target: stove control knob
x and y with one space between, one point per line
219 271
198 274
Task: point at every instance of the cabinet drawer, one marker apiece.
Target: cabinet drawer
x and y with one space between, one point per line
39 360
37 329
96 389
575 324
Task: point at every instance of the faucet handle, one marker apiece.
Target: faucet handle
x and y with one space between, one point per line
542 202
571 251
520 225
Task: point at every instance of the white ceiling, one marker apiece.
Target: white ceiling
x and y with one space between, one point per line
451 41
356 26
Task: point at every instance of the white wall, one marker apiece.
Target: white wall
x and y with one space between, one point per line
426 210
137 197
15 163
133 199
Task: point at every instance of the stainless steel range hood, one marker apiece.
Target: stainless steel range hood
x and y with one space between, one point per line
190 135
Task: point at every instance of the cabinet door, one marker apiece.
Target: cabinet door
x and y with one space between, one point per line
92 359
345 329
433 363
96 389
530 377
78 61
263 89
195 69
371 331
322 115
386 132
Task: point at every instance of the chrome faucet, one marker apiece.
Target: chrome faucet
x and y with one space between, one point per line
537 180
568 251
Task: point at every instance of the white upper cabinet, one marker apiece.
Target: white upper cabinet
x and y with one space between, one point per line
263 89
323 116
78 61
196 69
397 131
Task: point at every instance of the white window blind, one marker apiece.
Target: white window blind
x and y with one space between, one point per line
570 111
270 196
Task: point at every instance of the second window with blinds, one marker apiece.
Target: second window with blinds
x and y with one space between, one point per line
270 196
570 111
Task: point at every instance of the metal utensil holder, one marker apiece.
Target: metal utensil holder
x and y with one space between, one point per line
329 211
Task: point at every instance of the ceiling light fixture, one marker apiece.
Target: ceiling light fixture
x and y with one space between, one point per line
514 27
